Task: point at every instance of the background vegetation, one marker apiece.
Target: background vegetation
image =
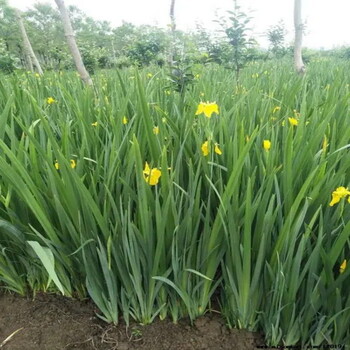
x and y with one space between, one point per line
105 47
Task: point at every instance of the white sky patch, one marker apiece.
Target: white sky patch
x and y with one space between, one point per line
327 23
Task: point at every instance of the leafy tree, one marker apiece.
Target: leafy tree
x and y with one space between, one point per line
276 35
342 52
9 33
47 36
150 42
220 52
30 54
237 31
7 61
123 37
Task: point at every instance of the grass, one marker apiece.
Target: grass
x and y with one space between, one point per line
250 227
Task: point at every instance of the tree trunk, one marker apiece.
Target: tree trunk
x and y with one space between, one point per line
29 63
298 26
30 55
173 36
73 47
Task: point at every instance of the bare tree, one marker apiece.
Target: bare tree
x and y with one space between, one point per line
70 37
298 26
173 35
29 52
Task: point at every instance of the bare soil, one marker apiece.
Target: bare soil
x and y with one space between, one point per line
51 322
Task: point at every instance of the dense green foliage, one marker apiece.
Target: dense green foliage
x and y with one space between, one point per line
250 227
103 46
240 216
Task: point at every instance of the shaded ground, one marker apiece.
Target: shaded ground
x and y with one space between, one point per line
56 323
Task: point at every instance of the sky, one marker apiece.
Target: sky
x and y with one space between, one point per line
327 23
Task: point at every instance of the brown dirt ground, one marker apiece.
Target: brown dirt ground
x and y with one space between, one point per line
52 322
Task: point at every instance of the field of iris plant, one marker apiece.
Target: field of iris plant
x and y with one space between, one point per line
227 197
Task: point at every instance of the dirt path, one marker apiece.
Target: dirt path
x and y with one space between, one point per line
56 323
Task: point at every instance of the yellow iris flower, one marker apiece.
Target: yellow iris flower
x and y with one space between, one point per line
342 266
207 108
156 130
73 164
151 176
338 194
125 120
50 100
205 148
293 121
267 145
94 124
217 150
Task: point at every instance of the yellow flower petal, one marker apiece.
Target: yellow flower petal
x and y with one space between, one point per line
217 150
342 191
205 148
73 163
50 100
147 169
200 108
210 109
207 109
335 200
154 176
151 176
156 130
342 266
267 145
339 193
57 166
293 121
94 124
125 120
